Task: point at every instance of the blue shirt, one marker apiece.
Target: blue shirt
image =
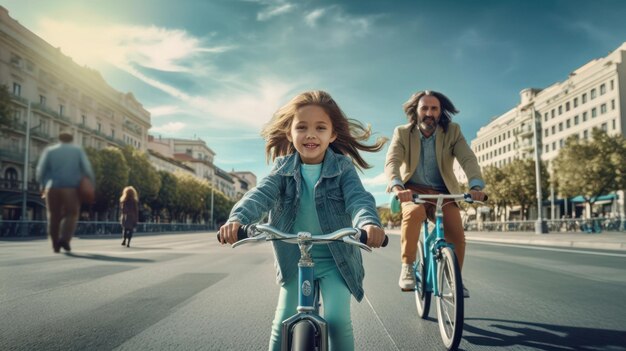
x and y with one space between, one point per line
427 172
306 218
63 165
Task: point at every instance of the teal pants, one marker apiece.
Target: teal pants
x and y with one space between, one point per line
335 307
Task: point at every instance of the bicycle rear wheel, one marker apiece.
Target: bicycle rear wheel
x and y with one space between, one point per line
450 307
422 296
303 337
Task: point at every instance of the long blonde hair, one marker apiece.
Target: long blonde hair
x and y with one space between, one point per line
129 191
349 132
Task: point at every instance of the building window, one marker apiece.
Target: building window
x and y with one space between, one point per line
584 97
560 110
561 144
594 112
552 113
584 116
554 145
613 123
603 109
567 123
545 117
604 127
585 134
602 89
593 93
576 120
545 132
613 104
42 100
61 110
17 89
560 126
99 127
547 147
575 102
612 84
553 130
567 106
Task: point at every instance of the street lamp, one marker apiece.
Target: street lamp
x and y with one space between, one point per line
540 225
26 166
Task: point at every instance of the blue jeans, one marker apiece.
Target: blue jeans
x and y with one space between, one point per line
335 306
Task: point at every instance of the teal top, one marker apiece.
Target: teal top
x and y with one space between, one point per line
306 217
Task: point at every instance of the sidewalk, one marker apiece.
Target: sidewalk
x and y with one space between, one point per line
602 241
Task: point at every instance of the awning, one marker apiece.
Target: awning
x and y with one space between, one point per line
608 197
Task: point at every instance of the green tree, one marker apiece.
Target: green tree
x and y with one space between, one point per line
6 109
522 185
498 188
167 197
191 201
111 173
591 168
142 174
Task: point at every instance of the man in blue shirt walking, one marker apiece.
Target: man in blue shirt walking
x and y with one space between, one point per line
60 169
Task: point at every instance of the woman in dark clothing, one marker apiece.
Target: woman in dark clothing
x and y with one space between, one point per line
129 205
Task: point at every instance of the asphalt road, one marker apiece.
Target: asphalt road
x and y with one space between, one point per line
186 292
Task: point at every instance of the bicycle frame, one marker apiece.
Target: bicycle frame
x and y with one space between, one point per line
433 242
308 298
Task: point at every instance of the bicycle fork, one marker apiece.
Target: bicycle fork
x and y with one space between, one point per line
308 305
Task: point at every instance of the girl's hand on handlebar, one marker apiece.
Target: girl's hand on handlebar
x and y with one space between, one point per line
228 232
375 235
478 195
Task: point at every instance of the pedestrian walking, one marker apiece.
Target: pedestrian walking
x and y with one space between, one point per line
60 170
129 205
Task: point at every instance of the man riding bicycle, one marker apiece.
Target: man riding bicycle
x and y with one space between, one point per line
420 160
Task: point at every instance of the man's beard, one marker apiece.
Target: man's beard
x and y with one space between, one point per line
428 124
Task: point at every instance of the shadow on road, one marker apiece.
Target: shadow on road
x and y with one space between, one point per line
108 258
539 336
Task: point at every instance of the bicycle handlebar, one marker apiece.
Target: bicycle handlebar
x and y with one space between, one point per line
254 232
417 198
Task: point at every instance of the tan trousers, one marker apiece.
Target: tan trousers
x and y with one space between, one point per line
62 207
413 217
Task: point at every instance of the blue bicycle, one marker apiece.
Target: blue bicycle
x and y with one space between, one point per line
306 330
437 272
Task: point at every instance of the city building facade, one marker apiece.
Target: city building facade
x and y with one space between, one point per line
49 93
591 97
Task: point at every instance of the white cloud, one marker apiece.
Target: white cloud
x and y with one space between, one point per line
275 11
339 27
131 47
312 18
164 110
162 49
170 128
380 179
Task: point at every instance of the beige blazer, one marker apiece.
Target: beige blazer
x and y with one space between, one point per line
404 153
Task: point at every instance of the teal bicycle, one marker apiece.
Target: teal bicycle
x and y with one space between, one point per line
437 272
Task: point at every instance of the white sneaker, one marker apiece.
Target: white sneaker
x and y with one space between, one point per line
407 277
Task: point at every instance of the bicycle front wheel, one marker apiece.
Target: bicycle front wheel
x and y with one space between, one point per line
304 337
450 308
422 296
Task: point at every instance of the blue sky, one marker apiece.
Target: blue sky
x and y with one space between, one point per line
218 69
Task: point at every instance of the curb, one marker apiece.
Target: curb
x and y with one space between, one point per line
559 243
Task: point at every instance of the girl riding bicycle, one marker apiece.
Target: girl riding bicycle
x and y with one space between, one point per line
314 187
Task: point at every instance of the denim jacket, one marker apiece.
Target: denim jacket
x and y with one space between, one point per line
340 200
